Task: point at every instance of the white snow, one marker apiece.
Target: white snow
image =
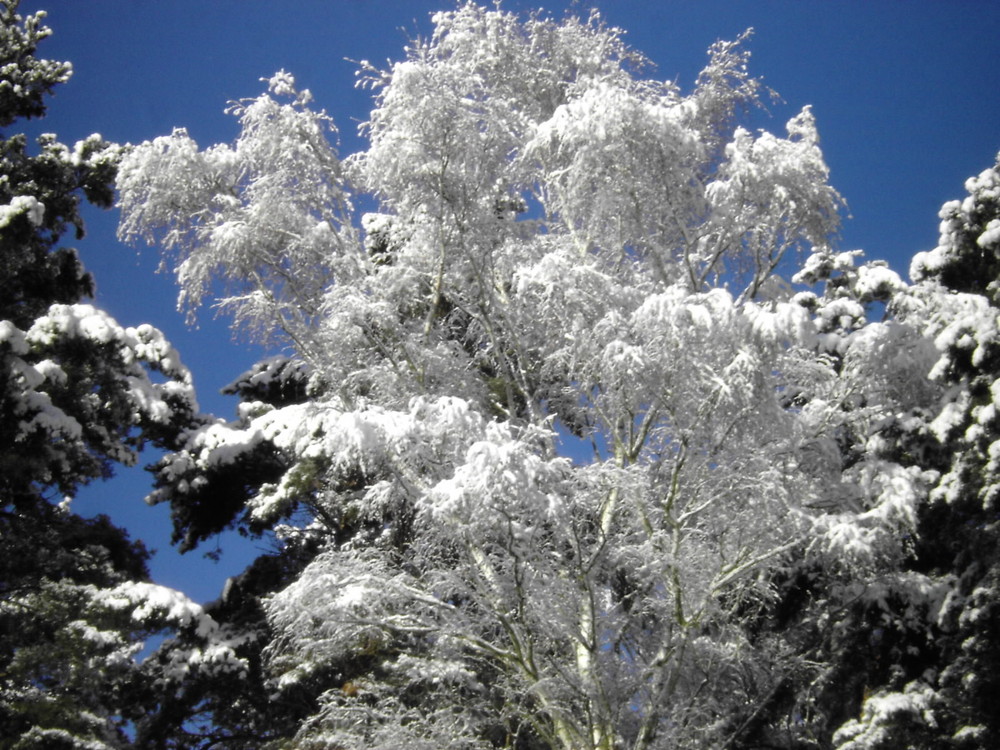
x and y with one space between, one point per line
22 204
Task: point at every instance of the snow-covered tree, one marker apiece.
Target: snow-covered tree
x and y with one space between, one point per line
79 393
553 444
965 500
946 696
912 643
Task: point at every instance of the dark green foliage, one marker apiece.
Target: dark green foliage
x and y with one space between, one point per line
960 527
214 498
938 652
88 548
54 677
34 271
278 381
235 714
970 265
26 79
68 414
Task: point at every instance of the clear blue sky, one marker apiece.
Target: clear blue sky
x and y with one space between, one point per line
906 95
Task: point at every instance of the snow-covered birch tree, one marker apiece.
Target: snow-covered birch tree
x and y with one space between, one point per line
551 429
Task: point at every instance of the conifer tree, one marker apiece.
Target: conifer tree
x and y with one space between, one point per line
78 394
945 681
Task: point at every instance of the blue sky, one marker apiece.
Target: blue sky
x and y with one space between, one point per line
906 95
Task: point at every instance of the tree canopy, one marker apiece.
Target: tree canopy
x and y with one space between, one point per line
79 393
585 436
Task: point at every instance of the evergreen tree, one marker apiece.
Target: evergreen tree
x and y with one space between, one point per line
960 540
950 675
78 394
